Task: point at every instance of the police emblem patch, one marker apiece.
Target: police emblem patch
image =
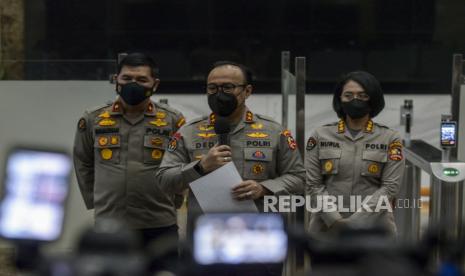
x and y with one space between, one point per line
173 144
311 143
395 151
290 140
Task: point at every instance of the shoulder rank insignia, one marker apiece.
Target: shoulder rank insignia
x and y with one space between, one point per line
249 117
160 115
82 125
206 135
395 151
257 126
290 140
369 126
107 122
341 126
116 107
158 122
173 144
181 122
212 118
257 135
311 143
206 127
150 108
105 115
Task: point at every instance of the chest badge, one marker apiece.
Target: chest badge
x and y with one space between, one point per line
114 140
102 141
328 166
157 154
106 154
158 122
160 115
105 115
206 135
107 122
157 142
259 155
257 135
258 169
373 168
257 126
206 127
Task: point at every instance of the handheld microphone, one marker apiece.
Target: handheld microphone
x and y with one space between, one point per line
222 129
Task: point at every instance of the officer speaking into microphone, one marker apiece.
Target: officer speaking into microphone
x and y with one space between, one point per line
264 153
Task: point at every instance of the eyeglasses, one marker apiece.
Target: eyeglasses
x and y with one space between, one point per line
363 96
213 88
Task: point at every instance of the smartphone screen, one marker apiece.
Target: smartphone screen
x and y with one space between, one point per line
448 134
36 186
240 239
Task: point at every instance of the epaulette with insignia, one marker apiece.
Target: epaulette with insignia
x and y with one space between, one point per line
99 108
266 118
166 108
196 120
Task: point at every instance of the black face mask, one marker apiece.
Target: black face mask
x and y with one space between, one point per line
222 103
356 108
133 93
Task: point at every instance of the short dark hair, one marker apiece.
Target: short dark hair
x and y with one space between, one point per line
246 72
139 59
371 86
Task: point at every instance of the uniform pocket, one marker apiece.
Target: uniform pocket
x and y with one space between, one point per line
329 161
373 163
108 148
257 163
154 148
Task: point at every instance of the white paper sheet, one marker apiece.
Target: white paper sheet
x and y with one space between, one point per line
213 191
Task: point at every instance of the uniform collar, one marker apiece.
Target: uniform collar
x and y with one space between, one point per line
342 129
247 118
150 109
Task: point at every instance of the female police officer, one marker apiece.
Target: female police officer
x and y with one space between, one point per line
355 161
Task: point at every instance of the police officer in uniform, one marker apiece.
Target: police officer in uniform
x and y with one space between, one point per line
264 153
354 157
117 148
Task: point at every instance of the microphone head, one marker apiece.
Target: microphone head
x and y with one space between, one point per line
222 125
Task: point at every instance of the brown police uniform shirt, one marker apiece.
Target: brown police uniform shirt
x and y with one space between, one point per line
261 150
115 157
339 164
